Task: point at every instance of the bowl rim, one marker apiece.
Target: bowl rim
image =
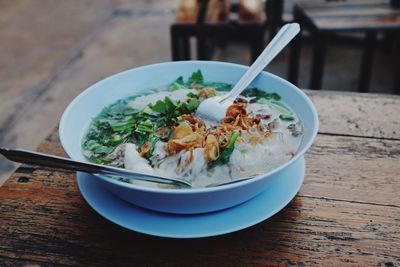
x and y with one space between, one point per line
92 87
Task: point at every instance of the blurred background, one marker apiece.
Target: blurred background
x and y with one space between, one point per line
52 50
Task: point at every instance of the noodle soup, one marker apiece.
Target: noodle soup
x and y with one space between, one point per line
159 133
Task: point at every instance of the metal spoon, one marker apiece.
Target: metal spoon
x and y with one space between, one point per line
214 108
35 158
46 160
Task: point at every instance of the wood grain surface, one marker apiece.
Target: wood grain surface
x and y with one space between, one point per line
352 14
346 214
353 114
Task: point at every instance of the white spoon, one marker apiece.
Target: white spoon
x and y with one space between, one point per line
214 108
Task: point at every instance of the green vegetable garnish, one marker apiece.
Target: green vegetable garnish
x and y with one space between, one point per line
112 127
152 141
258 94
286 117
177 84
171 110
197 78
226 153
145 127
192 95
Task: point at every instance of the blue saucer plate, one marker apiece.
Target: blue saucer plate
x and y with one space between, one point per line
256 210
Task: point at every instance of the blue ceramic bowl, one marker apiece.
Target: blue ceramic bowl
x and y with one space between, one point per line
89 103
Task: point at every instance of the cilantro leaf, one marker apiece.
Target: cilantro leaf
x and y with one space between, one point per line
188 107
159 107
197 78
177 84
169 105
192 95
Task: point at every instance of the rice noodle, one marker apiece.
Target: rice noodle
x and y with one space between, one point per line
264 142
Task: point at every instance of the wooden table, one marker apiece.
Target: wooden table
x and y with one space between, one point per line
346 213
324 19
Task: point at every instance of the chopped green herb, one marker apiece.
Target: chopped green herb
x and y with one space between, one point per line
189 107
226 153
172 110
177 84
119 125
112 127
145 127
192 95
286 117
259 94
197 78
169 105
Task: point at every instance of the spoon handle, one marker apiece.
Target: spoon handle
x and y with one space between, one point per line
281 39
35 158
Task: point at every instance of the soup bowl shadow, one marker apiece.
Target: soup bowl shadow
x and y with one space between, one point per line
79 113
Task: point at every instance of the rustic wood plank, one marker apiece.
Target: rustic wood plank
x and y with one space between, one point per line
338 4
7 262
384 10
369 115
359 169
351 15
63 230
358 23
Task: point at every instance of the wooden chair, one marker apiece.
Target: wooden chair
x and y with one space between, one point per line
322 20
208 34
